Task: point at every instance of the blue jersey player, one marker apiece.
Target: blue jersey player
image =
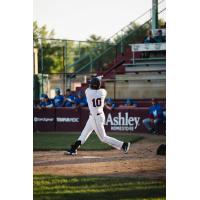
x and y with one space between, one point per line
81 100
45 102
58 100
69 99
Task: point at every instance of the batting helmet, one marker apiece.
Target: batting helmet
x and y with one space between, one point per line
57 91
95 84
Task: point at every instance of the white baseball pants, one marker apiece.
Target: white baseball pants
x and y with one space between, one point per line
96 123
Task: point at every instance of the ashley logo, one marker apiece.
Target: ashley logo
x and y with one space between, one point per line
122 120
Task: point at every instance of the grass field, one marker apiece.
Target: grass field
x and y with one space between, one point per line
61 141
48 187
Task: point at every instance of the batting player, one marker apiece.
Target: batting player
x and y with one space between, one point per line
95 98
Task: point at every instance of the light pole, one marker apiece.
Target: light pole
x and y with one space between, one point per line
154 23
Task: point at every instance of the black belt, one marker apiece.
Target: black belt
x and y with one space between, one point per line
97 113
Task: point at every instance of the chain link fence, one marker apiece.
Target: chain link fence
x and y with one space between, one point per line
69 63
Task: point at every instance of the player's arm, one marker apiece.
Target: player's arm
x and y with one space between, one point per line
105 103
63 101
100 77
107 106
50 105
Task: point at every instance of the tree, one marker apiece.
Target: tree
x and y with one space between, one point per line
95 38
96 44
161 23
50 51
41 32
107 51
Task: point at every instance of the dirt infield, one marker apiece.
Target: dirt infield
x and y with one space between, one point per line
141 161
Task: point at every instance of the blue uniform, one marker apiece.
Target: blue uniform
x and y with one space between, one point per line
156 111
46 104
68 103
81 101
155 114
58 101
110 102
131 102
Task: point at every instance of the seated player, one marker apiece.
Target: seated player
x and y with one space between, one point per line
96 97
131 102
69 100
58 100
45 102
110 104
155 117
81 100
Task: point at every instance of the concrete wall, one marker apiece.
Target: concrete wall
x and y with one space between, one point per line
137 89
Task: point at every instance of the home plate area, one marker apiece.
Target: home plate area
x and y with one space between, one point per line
91 157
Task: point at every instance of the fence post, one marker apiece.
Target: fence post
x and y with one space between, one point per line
65 65
91 65
42 64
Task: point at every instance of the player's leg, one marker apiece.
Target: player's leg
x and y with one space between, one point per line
86 132
82 138
100 131
156 125
147 122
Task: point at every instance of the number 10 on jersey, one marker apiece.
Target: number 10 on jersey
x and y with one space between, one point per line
96 102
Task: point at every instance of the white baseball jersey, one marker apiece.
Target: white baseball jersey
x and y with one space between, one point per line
95 99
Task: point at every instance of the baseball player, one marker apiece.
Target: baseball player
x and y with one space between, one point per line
58 100
95 98
69 99
155 116
45 102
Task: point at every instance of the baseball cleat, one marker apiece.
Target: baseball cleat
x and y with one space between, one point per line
70 152
126 147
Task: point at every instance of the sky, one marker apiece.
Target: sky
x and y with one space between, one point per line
78 19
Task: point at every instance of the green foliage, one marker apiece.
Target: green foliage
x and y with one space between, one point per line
51 56
59 56
47 187
90 56
41 32
95 38
94 46
36 87
134 33
161 23
61 141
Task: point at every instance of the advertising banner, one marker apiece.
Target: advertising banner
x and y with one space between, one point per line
44 119
84 117
148 47
68 119
127 120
